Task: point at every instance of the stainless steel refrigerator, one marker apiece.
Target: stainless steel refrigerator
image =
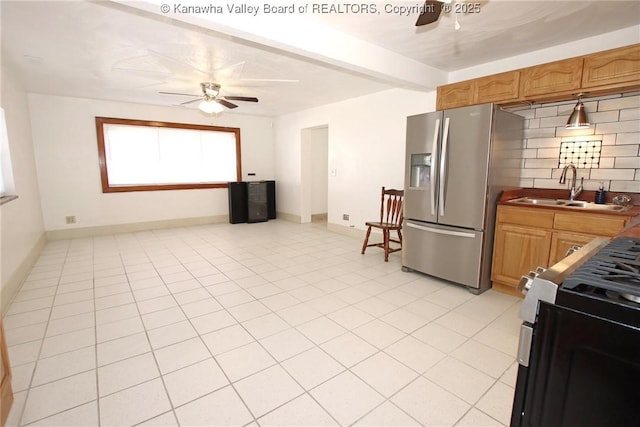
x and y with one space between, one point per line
457 163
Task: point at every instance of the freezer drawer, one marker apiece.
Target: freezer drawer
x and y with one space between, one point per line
446 252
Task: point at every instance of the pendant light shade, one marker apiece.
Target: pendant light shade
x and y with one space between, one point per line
578 118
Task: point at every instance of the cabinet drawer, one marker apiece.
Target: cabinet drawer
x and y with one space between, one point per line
602 225
533 217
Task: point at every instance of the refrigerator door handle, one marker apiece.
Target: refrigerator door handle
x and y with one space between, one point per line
432 177
440 231
443 164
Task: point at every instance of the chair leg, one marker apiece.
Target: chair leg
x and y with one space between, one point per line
366 240
400 237
385 234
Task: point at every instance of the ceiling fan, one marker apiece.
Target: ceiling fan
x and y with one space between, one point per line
430 12
210 100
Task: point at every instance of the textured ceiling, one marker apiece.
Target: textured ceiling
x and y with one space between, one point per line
131 51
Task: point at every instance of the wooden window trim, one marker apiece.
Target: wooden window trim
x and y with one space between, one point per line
106 188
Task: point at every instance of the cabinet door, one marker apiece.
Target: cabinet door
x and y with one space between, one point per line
6 393
455 95
497 88
518 250
545 79
561 242
613 67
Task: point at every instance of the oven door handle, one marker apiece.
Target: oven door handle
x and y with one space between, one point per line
524 344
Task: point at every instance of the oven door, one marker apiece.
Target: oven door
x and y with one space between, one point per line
583 371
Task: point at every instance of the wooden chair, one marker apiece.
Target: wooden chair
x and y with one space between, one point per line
391 215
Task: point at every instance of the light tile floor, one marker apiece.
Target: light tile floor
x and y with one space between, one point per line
268 324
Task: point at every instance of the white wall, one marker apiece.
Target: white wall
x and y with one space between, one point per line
64 135
366 149
22 228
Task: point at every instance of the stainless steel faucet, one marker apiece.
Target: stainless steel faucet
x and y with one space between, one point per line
574 192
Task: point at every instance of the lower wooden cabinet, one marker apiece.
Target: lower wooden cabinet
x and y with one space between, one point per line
526 238
517 250
562 241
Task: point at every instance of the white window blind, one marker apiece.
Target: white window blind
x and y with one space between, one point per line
145 155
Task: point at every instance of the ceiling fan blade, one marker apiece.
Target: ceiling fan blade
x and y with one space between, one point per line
241 98
175 61
226 103
271 80
430 14
189 102
177 93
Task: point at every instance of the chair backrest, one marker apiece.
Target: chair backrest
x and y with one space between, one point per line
391 206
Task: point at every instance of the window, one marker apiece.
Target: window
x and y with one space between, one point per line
138 155
7 186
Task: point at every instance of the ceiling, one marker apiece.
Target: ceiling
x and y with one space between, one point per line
130 51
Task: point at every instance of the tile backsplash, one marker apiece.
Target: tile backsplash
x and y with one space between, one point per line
615 120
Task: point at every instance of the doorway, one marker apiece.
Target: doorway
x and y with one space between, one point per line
314 168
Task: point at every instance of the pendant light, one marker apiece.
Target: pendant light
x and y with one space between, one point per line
578 118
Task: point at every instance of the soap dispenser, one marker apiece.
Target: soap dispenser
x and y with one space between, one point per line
601 195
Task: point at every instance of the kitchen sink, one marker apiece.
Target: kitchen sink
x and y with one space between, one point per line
580 204
532 201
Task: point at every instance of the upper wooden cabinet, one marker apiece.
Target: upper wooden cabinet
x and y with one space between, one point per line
497 87
455 95
494 88
602 73
559 76
612 67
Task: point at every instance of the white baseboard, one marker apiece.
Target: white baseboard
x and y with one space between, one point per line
289 217
347 231
133 227
12 286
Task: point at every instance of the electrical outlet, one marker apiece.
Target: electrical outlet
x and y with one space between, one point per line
345 217
71 219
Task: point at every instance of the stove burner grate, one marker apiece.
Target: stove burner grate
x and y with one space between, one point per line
614 268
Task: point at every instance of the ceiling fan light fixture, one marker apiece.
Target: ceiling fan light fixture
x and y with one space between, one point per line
210 89
578 118
210 107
